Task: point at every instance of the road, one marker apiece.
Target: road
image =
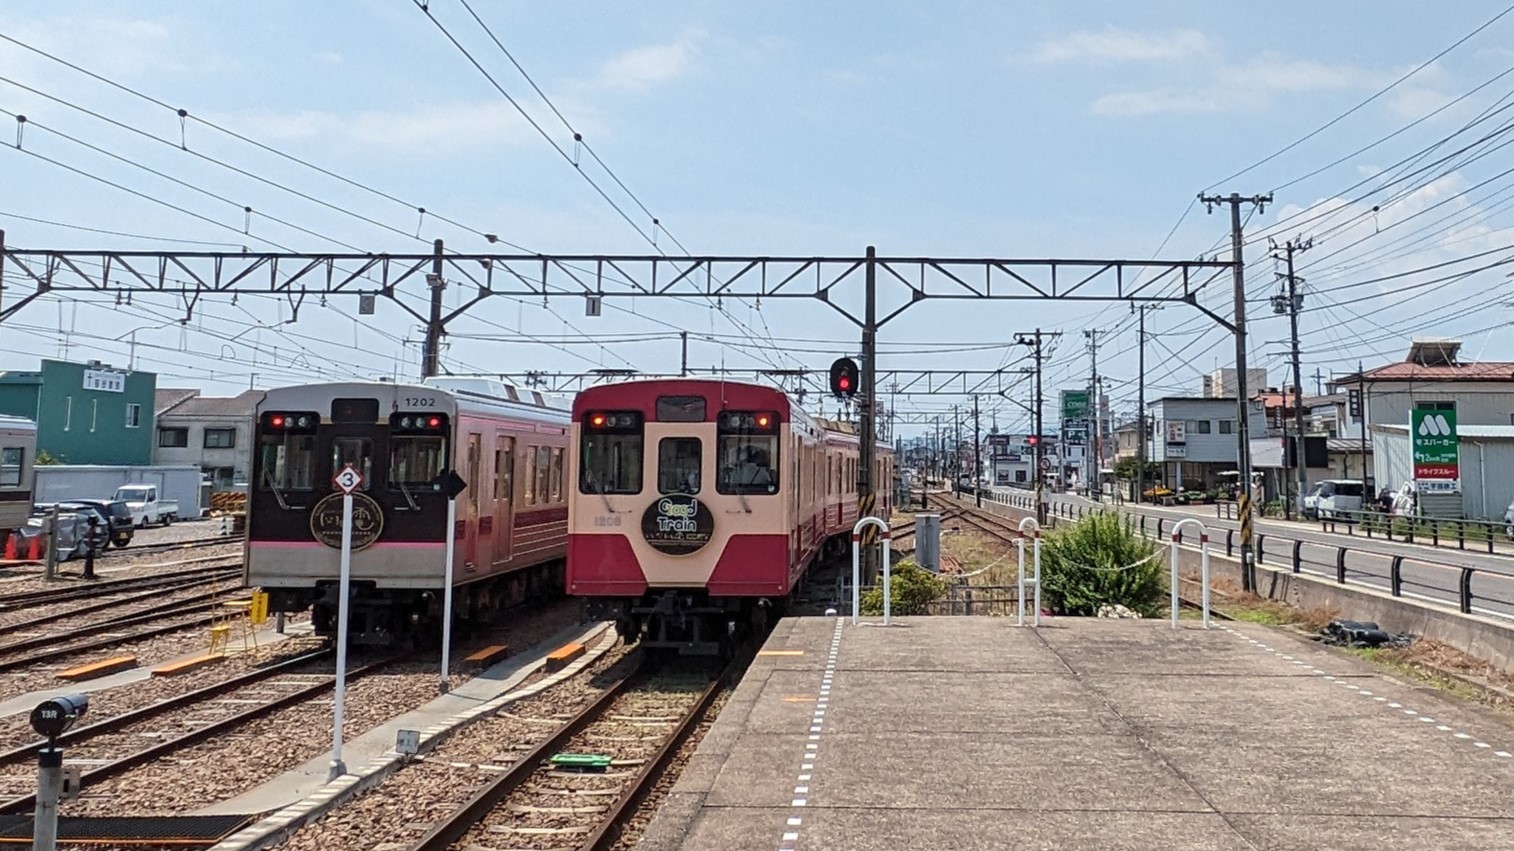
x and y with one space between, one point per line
1432 574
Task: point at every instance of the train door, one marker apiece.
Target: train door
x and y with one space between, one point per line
504 495
475 486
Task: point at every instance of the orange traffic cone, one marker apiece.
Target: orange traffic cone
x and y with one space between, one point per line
34 550
10 547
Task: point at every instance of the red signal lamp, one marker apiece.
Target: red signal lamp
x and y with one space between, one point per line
844 382
1034 440
277 421
434 422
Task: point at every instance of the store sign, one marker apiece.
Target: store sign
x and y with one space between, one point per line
1177 451
1436 448
1177 431
677 525
104 381
1354 403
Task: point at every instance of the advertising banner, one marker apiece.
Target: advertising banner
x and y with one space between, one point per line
1436 448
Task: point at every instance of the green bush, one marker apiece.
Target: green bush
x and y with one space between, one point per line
1077 568
911 588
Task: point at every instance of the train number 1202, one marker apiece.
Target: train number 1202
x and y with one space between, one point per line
420 401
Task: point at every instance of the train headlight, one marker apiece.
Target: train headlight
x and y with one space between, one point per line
304 422
434 422
276 421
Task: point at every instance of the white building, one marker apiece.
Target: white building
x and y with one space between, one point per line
1221 384
212 433
1194 439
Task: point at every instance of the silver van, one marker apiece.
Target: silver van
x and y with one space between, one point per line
1336 498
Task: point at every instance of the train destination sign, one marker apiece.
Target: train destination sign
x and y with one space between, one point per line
677 525
326 521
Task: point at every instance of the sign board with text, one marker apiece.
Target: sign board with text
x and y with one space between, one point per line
1436 448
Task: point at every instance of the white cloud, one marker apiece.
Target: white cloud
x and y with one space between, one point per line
642 67
1113 45
1242 86
114 47
448 127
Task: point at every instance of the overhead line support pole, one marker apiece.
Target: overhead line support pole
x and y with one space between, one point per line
431 356
977 456
866 486
1295 304
1243 404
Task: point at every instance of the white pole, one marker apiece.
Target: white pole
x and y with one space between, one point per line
1204 574
338 768
856 575
887 582
446 684
1020 598
1174 580
1036 616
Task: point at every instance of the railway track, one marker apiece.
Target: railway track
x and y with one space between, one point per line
171 617
114 746
123 601
101 587
624 739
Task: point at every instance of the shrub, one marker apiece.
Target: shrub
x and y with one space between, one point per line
911 590
1078 568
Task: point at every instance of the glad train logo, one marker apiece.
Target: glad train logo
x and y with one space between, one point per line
1435 425
677 525
367 521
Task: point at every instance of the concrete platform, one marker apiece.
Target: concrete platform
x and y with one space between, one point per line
1091 734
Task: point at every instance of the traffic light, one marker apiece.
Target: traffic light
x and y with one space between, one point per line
844 379
1034 440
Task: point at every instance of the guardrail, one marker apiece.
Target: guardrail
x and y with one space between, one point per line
1435 531
1481 590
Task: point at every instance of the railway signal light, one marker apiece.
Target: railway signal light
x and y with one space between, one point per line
844 379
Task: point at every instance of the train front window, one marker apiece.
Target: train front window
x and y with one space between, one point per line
286 462
746 453
10 466
611 453
357 451
678 464
416 459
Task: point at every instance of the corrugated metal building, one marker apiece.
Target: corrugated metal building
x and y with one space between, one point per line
1487 466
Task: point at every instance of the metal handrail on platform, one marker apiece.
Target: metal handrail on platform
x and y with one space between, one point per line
1035 535
885 535
1177 538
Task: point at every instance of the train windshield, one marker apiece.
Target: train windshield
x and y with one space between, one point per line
417 460
678 464
287 462
747 453
10 466
611 453
357 451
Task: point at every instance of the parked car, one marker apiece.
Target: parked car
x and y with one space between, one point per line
73 532
1339 498
122 523
1311 501
146 508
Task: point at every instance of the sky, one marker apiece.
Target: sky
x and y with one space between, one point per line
967 129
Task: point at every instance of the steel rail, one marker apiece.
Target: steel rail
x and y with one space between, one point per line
49 655
194 737
54 617
107 586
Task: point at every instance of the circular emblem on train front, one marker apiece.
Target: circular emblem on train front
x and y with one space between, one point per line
326 521
677 525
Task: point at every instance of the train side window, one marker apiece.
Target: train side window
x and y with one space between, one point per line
357 451
557 474
475 457
543 474
287 462
504 468
10 466
528 496
678 464
416 459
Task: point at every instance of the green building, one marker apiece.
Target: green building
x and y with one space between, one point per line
85 413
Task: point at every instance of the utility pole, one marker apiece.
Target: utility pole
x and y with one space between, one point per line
1243 404
1293 302
957 453
1039 475
1319 382
1090 470
867 405
977 455
684 369
431 355
1141 310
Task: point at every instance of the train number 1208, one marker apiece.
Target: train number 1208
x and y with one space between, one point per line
420 401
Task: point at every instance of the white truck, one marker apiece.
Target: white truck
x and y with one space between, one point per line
146 508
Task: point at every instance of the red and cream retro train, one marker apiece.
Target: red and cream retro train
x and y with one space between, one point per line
699 504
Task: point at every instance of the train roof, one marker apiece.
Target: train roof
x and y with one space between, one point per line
10 423
642 394
465 397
